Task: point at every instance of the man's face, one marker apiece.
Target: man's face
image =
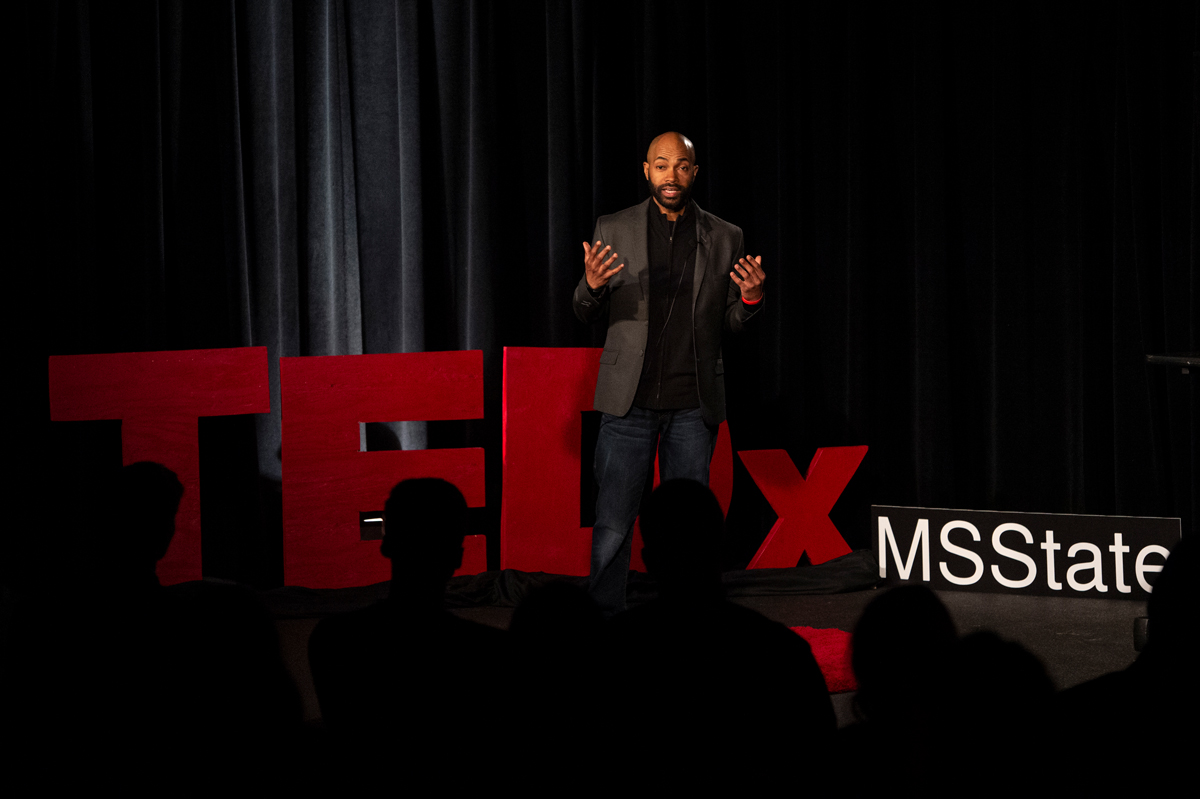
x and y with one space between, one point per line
670 169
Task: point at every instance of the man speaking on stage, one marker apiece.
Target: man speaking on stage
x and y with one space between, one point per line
672 278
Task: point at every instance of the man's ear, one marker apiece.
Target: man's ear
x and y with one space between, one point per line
646 169
385 544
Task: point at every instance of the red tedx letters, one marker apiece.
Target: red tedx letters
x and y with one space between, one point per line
327 481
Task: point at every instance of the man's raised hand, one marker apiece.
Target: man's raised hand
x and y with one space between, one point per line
749 276
596 268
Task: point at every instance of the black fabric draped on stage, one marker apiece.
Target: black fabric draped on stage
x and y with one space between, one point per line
975 220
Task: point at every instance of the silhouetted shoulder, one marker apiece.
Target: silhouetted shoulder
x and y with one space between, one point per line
724 641
246 688
375 666
705 673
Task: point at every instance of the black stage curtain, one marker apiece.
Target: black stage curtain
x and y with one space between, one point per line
976 220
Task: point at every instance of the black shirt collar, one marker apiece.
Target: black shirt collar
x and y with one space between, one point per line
661 225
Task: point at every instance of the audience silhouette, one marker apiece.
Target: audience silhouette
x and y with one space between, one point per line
900 649
126 668
1126 731
559 637
405 667
995 706
900 654
141 523
708 692
731 691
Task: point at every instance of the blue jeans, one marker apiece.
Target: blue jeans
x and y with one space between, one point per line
625 451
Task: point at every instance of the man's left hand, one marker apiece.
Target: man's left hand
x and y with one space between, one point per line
749 276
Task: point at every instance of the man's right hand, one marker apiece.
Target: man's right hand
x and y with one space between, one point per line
596 268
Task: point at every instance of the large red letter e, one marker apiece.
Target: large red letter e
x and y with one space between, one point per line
327 481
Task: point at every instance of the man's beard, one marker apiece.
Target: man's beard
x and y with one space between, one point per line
673 205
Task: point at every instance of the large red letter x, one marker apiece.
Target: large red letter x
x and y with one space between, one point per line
802 504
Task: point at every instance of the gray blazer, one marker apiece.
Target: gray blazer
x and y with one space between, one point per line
716 307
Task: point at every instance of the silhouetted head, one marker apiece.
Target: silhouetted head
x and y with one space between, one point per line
681 526
900 647
144 498
997 680
424 521
1172 604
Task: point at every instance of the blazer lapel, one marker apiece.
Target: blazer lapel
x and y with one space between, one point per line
702 242
639 247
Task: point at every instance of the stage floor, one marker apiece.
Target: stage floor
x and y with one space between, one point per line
1077 639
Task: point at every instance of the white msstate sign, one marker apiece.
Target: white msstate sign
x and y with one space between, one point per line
1038 553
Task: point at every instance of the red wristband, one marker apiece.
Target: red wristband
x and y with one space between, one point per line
752 302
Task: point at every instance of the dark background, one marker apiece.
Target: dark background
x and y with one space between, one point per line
976 221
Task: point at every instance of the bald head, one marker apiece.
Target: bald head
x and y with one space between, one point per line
670 168
670 141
